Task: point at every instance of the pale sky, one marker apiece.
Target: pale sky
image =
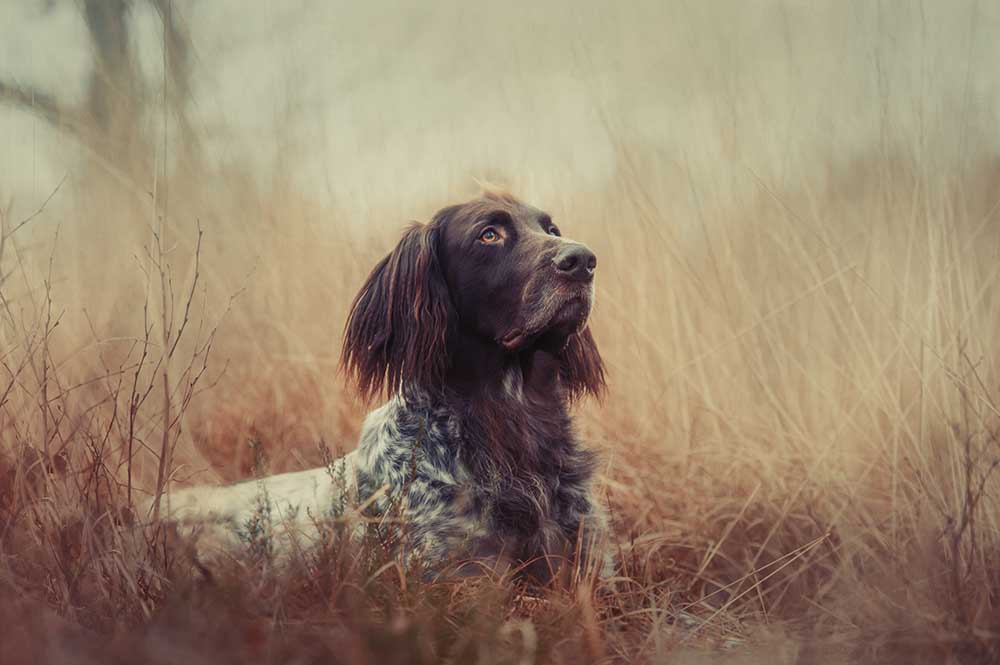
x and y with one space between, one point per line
411 96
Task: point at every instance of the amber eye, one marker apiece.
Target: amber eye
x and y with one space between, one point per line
490 236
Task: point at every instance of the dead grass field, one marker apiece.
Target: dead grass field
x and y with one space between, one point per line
798 306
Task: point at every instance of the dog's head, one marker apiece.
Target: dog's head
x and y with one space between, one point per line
493 270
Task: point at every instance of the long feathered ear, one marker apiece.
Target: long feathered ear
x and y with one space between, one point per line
582 369
397 330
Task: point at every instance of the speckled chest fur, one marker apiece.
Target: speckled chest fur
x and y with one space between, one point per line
500 477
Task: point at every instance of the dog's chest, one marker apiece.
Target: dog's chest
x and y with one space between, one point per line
522 498
512 503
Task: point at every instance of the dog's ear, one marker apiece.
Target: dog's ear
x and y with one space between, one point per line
397 331
582 369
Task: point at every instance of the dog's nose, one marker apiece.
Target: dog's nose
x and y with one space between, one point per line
576 262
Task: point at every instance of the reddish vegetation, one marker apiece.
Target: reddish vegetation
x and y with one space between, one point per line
801 437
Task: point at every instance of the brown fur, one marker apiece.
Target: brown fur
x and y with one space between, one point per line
403 328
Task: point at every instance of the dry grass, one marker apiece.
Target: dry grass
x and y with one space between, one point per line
801 435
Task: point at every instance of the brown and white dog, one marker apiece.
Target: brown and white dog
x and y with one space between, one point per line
475 326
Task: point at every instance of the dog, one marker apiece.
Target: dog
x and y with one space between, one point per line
475 329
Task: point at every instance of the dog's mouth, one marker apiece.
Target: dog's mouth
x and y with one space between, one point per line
569 317
574 311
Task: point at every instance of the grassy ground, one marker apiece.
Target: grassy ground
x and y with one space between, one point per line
800 438
801 434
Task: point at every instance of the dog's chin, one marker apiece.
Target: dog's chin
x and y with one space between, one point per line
569 318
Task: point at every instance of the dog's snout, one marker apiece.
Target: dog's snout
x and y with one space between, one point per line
576 262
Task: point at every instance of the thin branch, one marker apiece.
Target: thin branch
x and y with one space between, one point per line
190 298
6 233
34 101
41 208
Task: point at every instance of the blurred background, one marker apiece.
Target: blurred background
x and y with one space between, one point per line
420 95
794 205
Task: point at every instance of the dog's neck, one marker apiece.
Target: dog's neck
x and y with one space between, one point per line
510 408
482 369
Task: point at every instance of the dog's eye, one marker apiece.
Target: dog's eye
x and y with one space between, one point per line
490 236
553 230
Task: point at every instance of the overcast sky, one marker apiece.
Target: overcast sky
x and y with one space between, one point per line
414 95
